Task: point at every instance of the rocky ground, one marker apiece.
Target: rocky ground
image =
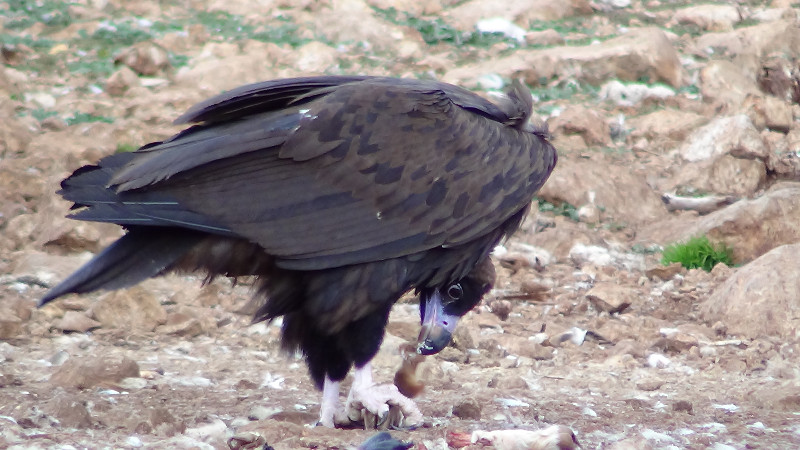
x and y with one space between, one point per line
672 120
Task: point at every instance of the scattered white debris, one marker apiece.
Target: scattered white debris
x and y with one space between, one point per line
502 26
667 332
759 426
582 254
491 82
216 428
133 383
575 335
554 436
134 442
652 435
589 412
714 427
721 446
273 381
633 93
658 361
730 408
511 402
193 381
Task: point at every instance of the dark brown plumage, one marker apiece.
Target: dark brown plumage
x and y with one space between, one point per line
339 193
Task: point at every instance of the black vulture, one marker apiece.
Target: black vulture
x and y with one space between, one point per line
340 194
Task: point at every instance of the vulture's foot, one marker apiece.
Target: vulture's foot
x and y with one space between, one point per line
331 411
380 406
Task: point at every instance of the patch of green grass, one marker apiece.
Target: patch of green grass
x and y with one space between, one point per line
562 91
123 147
697 252
80 117
436 31
646 250
40 114
24 13
561 209
232 27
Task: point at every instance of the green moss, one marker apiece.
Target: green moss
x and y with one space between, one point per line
86 117
124 147
436 31
561 209
697 252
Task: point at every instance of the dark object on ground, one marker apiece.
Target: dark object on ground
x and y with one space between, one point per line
384 441
340 194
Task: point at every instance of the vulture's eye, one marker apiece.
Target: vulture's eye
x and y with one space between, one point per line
455 292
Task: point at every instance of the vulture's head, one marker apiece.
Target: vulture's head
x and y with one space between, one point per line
440 308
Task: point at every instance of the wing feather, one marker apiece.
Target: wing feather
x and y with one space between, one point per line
327 171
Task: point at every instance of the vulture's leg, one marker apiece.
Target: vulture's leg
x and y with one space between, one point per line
379 405
331 411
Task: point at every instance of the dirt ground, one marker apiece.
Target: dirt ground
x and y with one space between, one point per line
171 364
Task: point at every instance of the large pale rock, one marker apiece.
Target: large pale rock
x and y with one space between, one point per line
135 308
587 123
709 17
725 175
667 123
725 135
90 371
221 66
522 12
418 8
750 227
758 40
620 194
760 299
315 57
640 54
727 83
353 21
145 58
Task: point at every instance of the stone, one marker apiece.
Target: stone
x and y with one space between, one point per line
145 58
780 37
610 297
777 114
664 273
708 17
70 411
622 195
135 308
84 372
727 83
315 57
732 134
10 324
465 15
725 175
120 81
76 321
544 37
632 94
642 54
667 123
467 409
760 299
649 384
587 123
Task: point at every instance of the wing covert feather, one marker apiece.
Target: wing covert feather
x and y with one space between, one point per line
367 171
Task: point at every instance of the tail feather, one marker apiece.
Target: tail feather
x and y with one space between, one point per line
140 254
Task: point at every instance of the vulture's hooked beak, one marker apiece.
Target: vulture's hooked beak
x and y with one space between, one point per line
437 326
